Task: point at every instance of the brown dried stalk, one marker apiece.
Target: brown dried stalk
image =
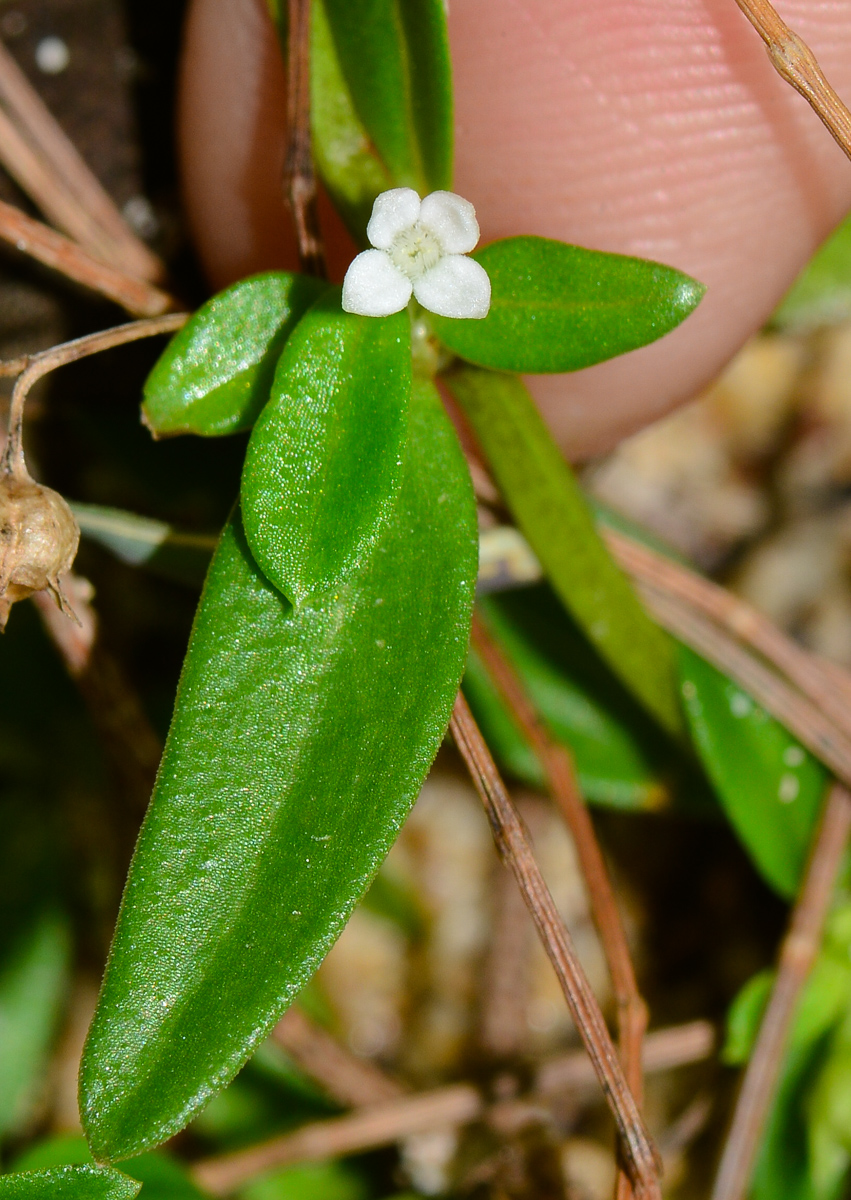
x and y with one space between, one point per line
561 777
59 252
796 63
351 1081
37 153
379 1125
299 172
636 1147
797 955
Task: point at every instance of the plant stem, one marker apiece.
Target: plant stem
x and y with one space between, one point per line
796 63
797 954
515 850
561 777
299 173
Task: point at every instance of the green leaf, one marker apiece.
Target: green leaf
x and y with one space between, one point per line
394 56
143 541
619 755
556 307
309 1181
214 376
69 1183
828 1108
325 459
548 506
821 295
345 158
33 984
744 1017
769 785
299 742
161 1177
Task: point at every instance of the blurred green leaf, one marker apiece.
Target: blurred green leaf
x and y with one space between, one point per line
821 295
161 1177
619 755
556 307
298 745
345 158
325 459
310 1181
394 56
33 983
553 515
69 1183
214 376
769 785
828 1109
143 541
744 1017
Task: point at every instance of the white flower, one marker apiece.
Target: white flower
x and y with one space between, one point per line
419 247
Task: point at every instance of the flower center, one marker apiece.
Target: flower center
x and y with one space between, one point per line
415 251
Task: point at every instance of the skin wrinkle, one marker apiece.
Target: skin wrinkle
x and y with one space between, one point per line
655 127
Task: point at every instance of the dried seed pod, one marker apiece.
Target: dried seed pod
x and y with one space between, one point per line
38 540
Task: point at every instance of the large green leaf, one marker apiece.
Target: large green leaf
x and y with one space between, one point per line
33 982
620 757
556 307
394 56
299 742
548 506
769 785
325 459
214 376
69 1183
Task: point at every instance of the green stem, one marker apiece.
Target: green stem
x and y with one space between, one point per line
550 509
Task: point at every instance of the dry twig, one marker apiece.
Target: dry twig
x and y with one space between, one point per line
514 848
793 59
561 777
299 172
59 252
37 153
797 955
351 1081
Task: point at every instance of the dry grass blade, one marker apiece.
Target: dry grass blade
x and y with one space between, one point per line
349 1080
793 59
380 1125
797 955
36 152
59 252
299 172
561 777
637 1149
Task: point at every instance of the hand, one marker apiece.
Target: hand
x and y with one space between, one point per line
648 127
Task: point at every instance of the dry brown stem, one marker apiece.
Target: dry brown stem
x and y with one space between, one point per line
351 1081
59 252
37 153
379 1125
513 845
797 955
299 172
796 63
561 777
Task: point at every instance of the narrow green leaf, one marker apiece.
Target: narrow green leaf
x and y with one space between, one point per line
620 757
345 158
214 376
33 982
143 541
548 506
556 307
769 785
299 742
821 295
69 1183
394 56
325 459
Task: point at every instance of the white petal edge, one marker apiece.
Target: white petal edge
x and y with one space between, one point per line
373 287
392 212
452 219
455 287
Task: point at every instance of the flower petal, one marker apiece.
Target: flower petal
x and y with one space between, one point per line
452 220
373 287
392 212
456 287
